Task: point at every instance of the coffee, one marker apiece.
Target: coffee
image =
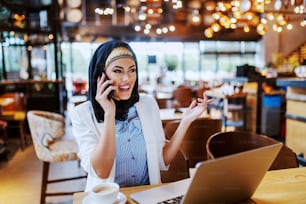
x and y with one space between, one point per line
104 189
105 192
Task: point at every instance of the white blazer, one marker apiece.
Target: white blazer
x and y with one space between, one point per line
87 132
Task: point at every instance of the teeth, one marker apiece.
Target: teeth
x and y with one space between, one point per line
124 87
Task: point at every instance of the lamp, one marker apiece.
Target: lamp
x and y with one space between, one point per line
246 15
234 14
154 17
160 17
73 11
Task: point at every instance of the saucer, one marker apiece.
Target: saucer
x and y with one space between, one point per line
121 199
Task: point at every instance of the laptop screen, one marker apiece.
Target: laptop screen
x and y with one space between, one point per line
231 178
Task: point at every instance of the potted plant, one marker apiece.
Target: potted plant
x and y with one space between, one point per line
171 62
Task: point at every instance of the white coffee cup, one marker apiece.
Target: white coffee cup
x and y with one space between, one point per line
105 193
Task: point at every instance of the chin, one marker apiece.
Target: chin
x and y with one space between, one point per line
124 97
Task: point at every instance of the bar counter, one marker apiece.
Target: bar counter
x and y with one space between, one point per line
295 115
292 82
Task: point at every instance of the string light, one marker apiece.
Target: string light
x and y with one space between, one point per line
152 16
246 14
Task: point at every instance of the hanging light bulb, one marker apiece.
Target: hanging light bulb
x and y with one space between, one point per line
158 31
137 28
235 3
165 30
172 28
267 1
245 5
146 31
246 29
216 27
196 18
263 20
281 19
210 5
278 5
303 22
233 26
289 26
270 16
208 32
225 21
261 28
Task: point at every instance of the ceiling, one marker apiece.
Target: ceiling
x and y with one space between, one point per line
121 26
77 20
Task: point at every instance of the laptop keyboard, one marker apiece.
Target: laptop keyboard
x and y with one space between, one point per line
176 200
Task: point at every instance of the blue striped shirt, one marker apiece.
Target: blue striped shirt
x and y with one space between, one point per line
131 156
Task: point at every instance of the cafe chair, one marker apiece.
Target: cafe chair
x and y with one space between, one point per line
199 91
164 102
178 169
182 96
3 149
48 133
15 114
227 143
196 136
3 129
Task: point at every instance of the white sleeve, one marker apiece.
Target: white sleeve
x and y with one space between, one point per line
86 133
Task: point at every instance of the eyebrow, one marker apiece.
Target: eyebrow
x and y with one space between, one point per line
120 67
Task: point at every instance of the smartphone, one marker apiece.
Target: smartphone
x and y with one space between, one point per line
111 94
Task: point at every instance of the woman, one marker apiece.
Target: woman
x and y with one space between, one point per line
119 131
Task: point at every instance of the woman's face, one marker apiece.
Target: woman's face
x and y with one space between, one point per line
123 73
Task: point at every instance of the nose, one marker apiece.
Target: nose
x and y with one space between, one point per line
125 77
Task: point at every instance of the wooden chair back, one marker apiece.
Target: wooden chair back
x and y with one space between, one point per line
45 128
164 102
195 139
200 91
178 169
48 131
227 143
183 96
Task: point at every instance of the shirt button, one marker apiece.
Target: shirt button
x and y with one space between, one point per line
133 158
133 176
129 140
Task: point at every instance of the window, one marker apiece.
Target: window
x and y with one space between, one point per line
223 57
204 60
191 56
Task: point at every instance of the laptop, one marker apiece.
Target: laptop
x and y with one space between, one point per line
228 179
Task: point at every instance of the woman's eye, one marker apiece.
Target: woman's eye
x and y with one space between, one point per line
117 71
132 70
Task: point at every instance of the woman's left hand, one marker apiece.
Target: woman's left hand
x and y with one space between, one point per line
196 108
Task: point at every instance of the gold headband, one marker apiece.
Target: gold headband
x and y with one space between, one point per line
117 53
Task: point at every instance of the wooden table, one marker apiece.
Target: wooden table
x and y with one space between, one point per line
169 114
5 102
278 187
12 114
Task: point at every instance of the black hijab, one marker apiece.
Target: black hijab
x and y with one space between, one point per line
96 69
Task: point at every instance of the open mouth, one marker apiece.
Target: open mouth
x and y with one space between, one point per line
124 88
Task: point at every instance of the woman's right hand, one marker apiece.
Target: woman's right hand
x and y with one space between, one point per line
104 87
